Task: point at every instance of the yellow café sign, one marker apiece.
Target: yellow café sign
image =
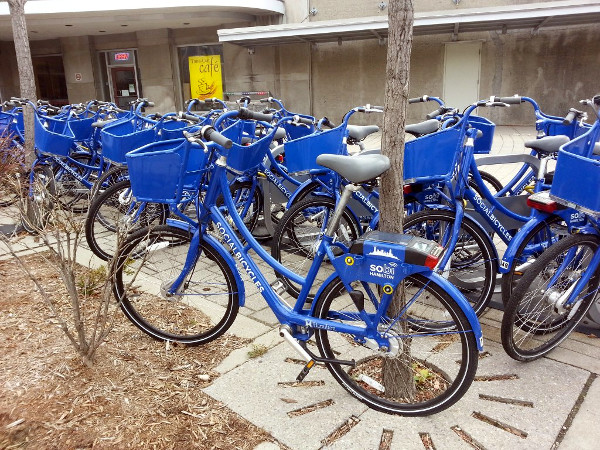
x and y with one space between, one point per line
206 77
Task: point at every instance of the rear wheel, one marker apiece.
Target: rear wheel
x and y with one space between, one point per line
473 266
536 318
432 342
39 200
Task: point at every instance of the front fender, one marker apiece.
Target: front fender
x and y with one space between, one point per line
216 245
299 192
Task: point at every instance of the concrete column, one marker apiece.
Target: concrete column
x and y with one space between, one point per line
156 69
79 73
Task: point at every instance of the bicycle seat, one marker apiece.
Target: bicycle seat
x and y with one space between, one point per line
548 144
360 132
421 128
355 169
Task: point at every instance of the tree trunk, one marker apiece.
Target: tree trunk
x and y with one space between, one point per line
25 66
398 376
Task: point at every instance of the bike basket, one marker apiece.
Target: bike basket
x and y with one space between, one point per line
53 136
173 129
432 157
245 157
483 144
121 137
301 154
82 128
577 173
160 171
296 131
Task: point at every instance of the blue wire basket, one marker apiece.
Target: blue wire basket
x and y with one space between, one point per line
53 136
296 131
161 171
577 175
247 151
173 129
123 136
82 128
301 154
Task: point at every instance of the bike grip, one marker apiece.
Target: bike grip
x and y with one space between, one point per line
304 120
265 100
246 114
190 117
210 134
568 120
434 114
415 100
150 104
509 100
328 123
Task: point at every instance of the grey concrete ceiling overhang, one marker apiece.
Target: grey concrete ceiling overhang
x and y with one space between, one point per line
533 16
51 19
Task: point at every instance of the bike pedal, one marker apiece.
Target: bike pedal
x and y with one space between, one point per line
309 365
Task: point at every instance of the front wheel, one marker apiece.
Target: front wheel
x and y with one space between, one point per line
536 318
433 351
114 214
202 308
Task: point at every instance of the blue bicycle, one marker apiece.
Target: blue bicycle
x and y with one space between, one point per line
182 283
560 287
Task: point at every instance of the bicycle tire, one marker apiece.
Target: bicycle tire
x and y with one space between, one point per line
40 200
67 186
247 197
544 231
107 216
445 360
201 311
493 184
294 247
108 178
473 267
531 316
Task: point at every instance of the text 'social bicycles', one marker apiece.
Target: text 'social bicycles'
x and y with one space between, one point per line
182 283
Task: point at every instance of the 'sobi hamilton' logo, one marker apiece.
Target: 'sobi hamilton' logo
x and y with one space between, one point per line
386 271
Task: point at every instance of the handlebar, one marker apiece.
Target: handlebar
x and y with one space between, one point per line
209 133
515 100
246 114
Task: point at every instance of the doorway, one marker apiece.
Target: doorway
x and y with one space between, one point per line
124 85
121 82
462 64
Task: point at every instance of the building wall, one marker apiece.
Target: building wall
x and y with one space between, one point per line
556 67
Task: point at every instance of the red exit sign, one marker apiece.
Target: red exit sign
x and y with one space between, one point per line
122 56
